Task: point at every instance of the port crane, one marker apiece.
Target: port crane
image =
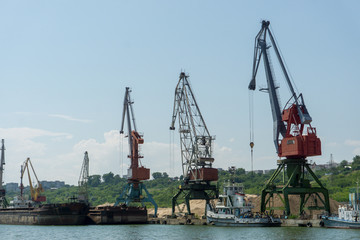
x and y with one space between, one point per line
35 191
294 137
83 195
3 201
196 147
133 191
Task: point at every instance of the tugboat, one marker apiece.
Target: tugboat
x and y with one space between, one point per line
233 210
348 215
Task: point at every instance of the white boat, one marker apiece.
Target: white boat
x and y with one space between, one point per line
348 215
232 209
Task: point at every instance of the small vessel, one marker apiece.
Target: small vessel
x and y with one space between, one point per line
233 210
348 215
120 214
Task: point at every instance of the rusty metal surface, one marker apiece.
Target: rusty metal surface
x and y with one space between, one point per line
49 214
118 215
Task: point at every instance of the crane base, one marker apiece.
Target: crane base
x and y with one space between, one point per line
295 182
133 193
191 191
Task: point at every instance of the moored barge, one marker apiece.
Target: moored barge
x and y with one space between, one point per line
121 214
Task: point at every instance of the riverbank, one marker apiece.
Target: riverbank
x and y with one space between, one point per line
196 221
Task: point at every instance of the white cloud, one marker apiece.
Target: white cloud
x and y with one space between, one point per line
224 149
29 133
107 154
232 140
355 143
332 144
21 143
69 118
22 140
356 151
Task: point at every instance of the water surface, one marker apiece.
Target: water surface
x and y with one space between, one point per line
138 232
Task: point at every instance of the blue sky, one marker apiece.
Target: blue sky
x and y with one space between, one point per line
64 66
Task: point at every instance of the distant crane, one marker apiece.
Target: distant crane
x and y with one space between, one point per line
3 201
35 191
83 195
292 140
133 191
196 147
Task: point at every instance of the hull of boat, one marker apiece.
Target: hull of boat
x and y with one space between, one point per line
49 214
228 220
118 215
338 223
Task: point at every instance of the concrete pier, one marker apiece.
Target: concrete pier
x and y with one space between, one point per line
196 221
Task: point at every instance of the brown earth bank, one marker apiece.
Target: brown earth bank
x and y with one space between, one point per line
294 202
198 207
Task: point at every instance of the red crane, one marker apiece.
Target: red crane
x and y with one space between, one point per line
133 191
294 137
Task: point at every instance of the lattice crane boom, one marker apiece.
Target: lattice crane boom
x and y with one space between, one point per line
2 163
195 139
83 195
3 201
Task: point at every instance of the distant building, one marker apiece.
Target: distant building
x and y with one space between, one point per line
256 171
316 167
269 170
52 184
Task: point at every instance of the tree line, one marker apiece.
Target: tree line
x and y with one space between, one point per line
106 188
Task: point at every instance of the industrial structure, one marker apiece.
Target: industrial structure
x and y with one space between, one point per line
133 191
294 137
35 191
83 195
196 148
3 201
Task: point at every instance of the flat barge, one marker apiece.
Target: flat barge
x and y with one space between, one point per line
118 215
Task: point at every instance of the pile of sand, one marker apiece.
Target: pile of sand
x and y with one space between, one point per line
294 202
198 206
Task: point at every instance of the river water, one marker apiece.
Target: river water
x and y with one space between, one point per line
168 232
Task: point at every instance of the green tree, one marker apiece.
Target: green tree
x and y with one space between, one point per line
165 175
356 163
94 180
240 171
344 163
108 178
157 175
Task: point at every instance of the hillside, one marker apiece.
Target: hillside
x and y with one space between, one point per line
106 188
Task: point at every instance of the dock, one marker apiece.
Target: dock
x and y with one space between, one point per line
196 221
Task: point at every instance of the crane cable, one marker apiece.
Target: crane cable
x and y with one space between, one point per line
251 121
121 155
172 150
